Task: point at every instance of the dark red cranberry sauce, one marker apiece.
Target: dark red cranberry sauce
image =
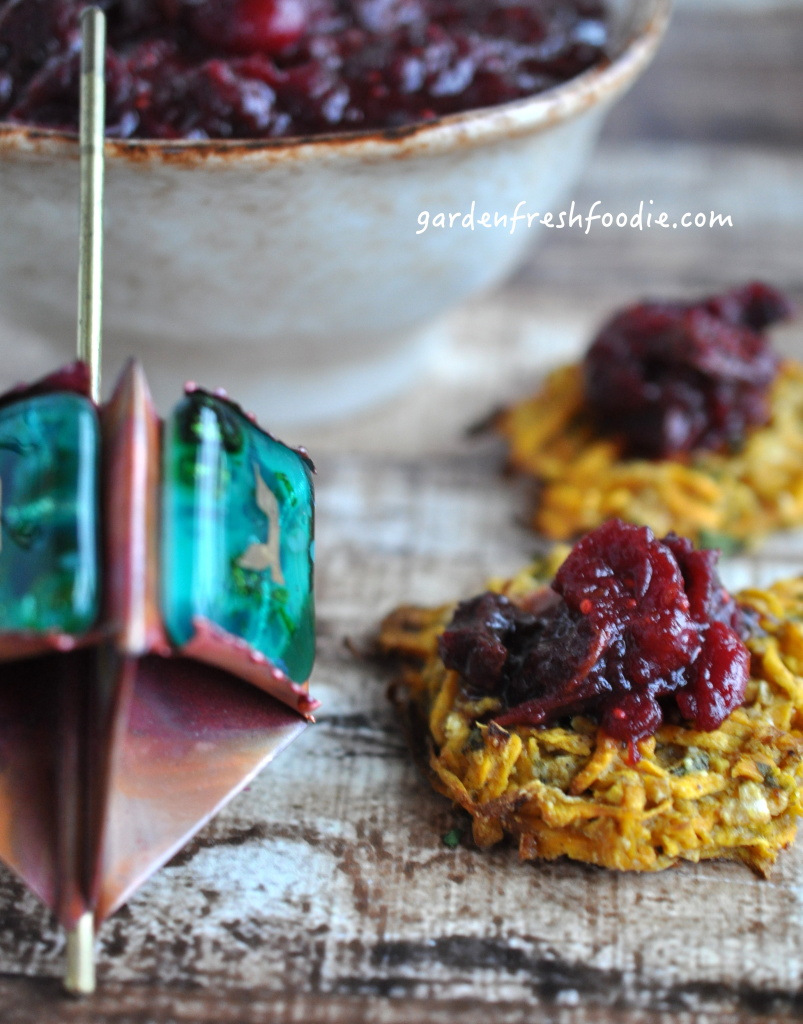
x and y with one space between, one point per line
633 629
670 377
266 68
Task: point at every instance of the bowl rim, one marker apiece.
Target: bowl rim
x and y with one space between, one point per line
479 126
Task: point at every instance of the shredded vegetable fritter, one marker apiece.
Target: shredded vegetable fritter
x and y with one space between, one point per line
570 790
715 498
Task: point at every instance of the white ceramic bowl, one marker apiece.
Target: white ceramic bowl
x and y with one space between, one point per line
292 272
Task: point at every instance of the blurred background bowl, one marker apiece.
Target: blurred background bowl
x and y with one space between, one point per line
294 273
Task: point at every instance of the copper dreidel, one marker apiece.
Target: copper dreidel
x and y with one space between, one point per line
156 611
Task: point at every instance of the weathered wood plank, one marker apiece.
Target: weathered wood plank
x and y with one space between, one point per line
324 893
26 1002
726 71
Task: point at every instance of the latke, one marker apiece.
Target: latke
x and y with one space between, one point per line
714 497
569 790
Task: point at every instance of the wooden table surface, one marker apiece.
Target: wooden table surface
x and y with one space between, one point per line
324 893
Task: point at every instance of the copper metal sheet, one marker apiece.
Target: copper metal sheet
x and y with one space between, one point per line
195 737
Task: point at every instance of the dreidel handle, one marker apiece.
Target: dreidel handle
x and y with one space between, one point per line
79 977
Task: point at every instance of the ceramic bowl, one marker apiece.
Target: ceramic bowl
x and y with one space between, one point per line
295 273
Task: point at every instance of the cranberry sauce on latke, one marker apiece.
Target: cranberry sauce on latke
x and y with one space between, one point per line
632 628
681 417
540 731
672 377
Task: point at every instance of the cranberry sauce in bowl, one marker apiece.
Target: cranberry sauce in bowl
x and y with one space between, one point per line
288 266
276 68
633 630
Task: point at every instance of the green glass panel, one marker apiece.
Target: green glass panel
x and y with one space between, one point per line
49 457
237 533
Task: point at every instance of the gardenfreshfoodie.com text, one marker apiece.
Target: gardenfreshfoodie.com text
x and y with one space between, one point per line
645 217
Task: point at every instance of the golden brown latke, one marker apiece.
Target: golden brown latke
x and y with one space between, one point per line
734 793
708 496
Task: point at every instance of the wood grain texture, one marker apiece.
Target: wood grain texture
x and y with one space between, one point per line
324 893
727 71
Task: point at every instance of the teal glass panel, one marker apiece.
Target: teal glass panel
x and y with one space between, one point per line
49 479
237 533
